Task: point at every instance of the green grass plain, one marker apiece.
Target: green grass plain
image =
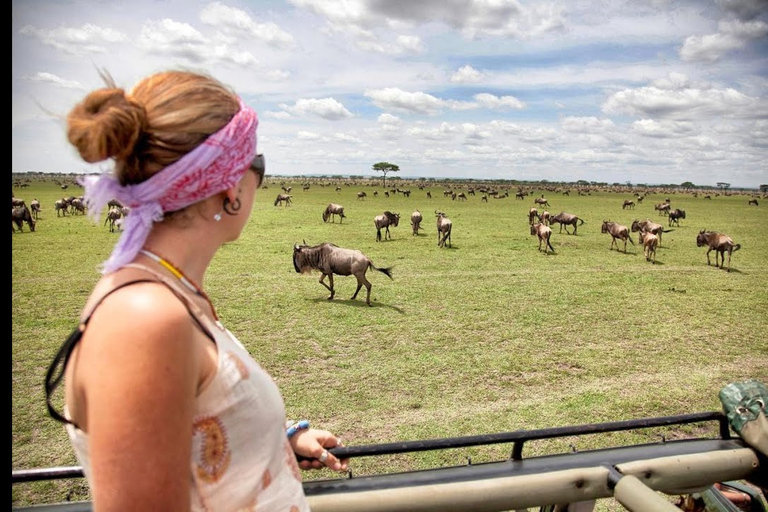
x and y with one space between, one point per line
487 336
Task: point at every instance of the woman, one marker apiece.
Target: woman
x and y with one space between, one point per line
165 408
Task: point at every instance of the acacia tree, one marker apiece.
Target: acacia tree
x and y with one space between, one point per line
385 167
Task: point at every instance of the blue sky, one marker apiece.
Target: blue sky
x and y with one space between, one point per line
639 91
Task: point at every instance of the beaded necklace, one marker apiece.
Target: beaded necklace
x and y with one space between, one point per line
184 280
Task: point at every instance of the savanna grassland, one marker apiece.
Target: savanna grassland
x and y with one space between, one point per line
488 335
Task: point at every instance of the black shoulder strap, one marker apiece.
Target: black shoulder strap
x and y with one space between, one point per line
55 372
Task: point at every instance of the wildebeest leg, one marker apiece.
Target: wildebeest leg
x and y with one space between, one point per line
330 280
361 280
708 251
378 235
566 229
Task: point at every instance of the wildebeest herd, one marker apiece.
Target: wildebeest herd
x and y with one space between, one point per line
329 259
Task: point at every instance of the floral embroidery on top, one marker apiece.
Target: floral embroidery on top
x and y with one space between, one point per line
239 364
214 455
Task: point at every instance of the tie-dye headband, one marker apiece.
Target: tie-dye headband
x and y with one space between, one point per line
216 164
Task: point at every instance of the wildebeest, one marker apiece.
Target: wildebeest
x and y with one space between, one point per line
330 259
753 202
283 198
17 201
617 232
384 221
332 210
34 207
416 219
545 217
566 219
62 207
19 216
541 201
361 195
444 227
663 208
113 215
647 225
543 233
628 204
429 194
675 216
462 196
532 214
719 243
650 242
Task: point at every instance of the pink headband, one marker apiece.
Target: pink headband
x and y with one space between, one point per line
216 164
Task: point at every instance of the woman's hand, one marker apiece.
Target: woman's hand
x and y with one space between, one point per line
314 444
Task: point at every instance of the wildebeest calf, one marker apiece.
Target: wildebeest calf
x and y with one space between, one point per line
330 259
416 219
543 233
650 243
444 227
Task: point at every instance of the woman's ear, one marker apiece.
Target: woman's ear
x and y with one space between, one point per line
232 193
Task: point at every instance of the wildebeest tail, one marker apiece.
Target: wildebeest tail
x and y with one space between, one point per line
581 220
385 270
550 245
737 247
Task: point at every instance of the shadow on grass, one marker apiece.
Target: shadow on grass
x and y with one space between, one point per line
356 303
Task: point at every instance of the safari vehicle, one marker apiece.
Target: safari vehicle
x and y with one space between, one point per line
634 475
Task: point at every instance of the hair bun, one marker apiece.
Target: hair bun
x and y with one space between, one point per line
106 124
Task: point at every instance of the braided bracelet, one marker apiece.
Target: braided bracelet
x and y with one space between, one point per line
293 427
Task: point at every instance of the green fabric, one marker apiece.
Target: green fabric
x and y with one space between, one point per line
745 403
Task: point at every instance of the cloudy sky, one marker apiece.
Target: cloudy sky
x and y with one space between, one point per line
639 91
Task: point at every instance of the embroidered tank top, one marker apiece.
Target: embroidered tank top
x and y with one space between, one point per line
241 458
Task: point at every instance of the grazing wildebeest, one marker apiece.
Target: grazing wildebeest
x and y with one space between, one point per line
17 201
330 259
462 196
650 243
384 221
115 203
113 215
429 194
543 233
566 219
545 217
444 227
19 216
283 197
647 225
332 210
361 195
628 204
753 202
520 195
287 190
719 243
532 214
34 206
416 219
675 216
617 232
541 201
61 207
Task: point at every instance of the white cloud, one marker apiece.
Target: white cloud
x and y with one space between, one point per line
732 35
88 39
393 98
231 19
325 108
56 80
498 103
466 75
